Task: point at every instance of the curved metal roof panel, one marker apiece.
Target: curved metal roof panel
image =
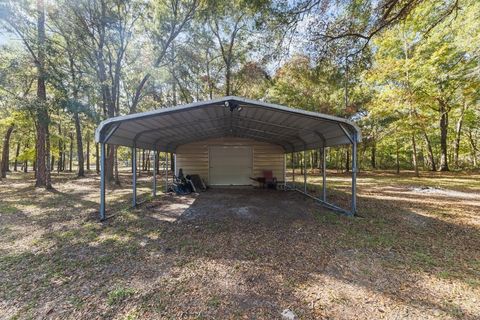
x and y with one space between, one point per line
167 128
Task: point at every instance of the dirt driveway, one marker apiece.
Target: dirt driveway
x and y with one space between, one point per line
242 204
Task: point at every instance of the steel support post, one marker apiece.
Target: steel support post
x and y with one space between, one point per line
154 187
102 181
324 175
305 171
134 176
354 174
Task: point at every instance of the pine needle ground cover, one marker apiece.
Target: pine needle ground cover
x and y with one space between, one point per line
414 252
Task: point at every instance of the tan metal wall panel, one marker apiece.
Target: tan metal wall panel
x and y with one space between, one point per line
193 157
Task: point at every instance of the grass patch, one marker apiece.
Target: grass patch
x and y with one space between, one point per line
252 254
76 302
444 274
118 295
454 310
154 301
327 217
424 259
472 282
8 209
379 240
214 302
190 246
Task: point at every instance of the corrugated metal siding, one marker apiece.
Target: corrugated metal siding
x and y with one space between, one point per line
193 157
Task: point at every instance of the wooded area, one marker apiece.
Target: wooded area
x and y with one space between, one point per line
406 71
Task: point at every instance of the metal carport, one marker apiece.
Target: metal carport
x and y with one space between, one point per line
165 129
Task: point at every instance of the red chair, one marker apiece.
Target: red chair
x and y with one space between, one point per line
270 180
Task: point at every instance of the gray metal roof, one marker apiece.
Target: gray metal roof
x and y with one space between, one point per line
167 128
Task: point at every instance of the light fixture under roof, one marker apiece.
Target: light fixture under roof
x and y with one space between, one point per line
232 106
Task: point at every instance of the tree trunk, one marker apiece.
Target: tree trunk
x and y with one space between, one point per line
108 102
64 161
17 153
337 160
138 163
172 73
34 165
431 158
110 163
209 80
443 136
414 156
25 164
78 132
97 159
373 160
117 178
88 152
148 161
302 159
347 161
313 160
131 158
474 148
458 135
397 157
48 163
228 74
70 160
60 149
41 110
5 151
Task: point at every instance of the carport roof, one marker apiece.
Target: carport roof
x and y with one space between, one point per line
167 128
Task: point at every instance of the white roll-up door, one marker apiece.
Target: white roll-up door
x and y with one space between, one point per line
230 165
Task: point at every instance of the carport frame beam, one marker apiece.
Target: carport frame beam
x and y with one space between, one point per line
323 201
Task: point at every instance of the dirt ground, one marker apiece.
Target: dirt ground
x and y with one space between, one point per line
414 252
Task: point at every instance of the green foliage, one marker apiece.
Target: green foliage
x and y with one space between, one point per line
109 57
419 74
